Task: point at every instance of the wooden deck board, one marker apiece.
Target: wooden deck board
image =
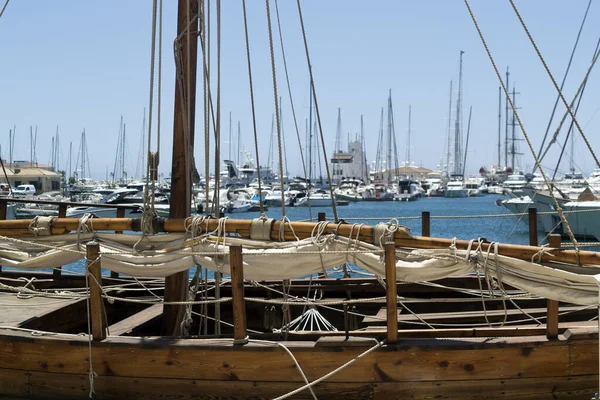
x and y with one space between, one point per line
128 324
16 311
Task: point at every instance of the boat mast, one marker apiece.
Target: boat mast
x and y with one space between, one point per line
176 285
310 137
499 125
449 137
389 139
464 165
408 144
230 136
457 133
239 141
506 121
378 161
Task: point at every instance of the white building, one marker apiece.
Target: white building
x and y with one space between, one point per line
350 164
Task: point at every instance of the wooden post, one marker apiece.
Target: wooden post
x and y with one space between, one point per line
321 217
96 309
533 232
3 209
552 305
120 214
176 285
62 213
425 224
237 292
392 300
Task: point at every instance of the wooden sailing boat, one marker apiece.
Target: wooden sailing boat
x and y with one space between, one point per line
145 355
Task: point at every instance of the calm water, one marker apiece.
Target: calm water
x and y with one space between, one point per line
494 229
506 230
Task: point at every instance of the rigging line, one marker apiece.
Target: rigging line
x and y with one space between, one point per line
562 84
278 122
4 8
159 95
314 94
218 163
217 131
569 132
206 88
525 135
260 198
287 78
145 224
560 93
577 93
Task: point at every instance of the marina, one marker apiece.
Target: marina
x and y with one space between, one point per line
330 264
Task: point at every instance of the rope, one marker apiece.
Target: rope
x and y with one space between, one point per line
525 135
562 97
2 12
260 198
217 131
92 374
564 79
335 371
277 121
206 89
287 78
314 94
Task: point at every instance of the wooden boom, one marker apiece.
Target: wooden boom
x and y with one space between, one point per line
303 230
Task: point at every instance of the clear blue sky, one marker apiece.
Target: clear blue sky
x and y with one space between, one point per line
83 64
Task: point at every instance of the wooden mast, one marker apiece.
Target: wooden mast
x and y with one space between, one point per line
176 285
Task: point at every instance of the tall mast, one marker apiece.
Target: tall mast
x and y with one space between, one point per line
506 122
338 133
239 141
499 125
123 172
378 161
310 137
362 149
457 132
389 139
513 150
181 181
572 155
70 160
467 141
230 136
449 137
408 144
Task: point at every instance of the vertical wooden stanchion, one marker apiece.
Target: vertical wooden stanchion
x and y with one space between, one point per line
552 305
533 231
3 210
62 213
391 296
236 266
95 280
321 216
120 214
425 224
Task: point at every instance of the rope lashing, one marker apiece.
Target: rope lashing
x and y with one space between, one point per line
41 226
260 228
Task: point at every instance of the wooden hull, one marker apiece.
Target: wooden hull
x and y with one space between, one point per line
55 367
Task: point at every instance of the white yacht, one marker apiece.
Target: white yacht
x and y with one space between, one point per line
350 189
476 186
319 198
408 190
514 182
456 187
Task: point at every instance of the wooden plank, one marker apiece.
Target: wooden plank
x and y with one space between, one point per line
463 315
236 265
96 311
391 293
17 311
48 385
579 387
128 324
213 360
13 383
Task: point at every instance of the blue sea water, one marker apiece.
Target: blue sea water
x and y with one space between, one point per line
506 229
